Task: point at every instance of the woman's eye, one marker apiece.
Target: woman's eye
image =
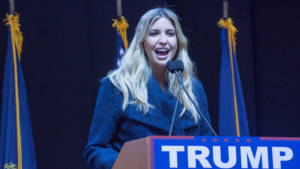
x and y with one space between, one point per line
153 33
171 33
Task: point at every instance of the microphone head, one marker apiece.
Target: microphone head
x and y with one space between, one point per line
180 66
174 66
171 65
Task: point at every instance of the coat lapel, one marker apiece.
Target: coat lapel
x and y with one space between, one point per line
160 116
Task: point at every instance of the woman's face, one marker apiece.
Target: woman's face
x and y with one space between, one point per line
161 43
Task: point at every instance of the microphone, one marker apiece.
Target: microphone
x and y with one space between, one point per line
177 67
173 67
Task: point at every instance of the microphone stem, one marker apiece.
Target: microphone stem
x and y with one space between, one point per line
174 113
178 74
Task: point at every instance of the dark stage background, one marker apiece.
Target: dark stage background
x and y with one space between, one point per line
70 45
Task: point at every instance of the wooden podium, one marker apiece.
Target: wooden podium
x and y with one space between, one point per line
134 155
164 152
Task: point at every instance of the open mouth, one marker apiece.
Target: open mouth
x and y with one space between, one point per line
162 52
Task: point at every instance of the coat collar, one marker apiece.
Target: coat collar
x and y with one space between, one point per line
161 115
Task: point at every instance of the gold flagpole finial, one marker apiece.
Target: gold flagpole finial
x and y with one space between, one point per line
13 20
122 26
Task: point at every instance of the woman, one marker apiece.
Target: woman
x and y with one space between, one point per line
138 99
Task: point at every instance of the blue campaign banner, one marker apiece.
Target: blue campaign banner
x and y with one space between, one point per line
224 152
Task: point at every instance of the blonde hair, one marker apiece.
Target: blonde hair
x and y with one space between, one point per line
133 74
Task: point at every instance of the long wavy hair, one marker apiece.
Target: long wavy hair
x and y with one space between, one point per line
132 76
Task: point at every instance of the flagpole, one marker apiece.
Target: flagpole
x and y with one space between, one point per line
225 8
119 8
12 6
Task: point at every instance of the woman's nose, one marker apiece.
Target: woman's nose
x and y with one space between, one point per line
163 39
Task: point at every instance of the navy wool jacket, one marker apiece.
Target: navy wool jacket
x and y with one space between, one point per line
111 126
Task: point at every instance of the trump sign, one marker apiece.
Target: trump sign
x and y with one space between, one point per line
224 152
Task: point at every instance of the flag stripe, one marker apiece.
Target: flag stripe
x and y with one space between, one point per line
16 96
233 85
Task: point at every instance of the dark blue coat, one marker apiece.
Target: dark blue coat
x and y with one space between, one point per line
111 126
